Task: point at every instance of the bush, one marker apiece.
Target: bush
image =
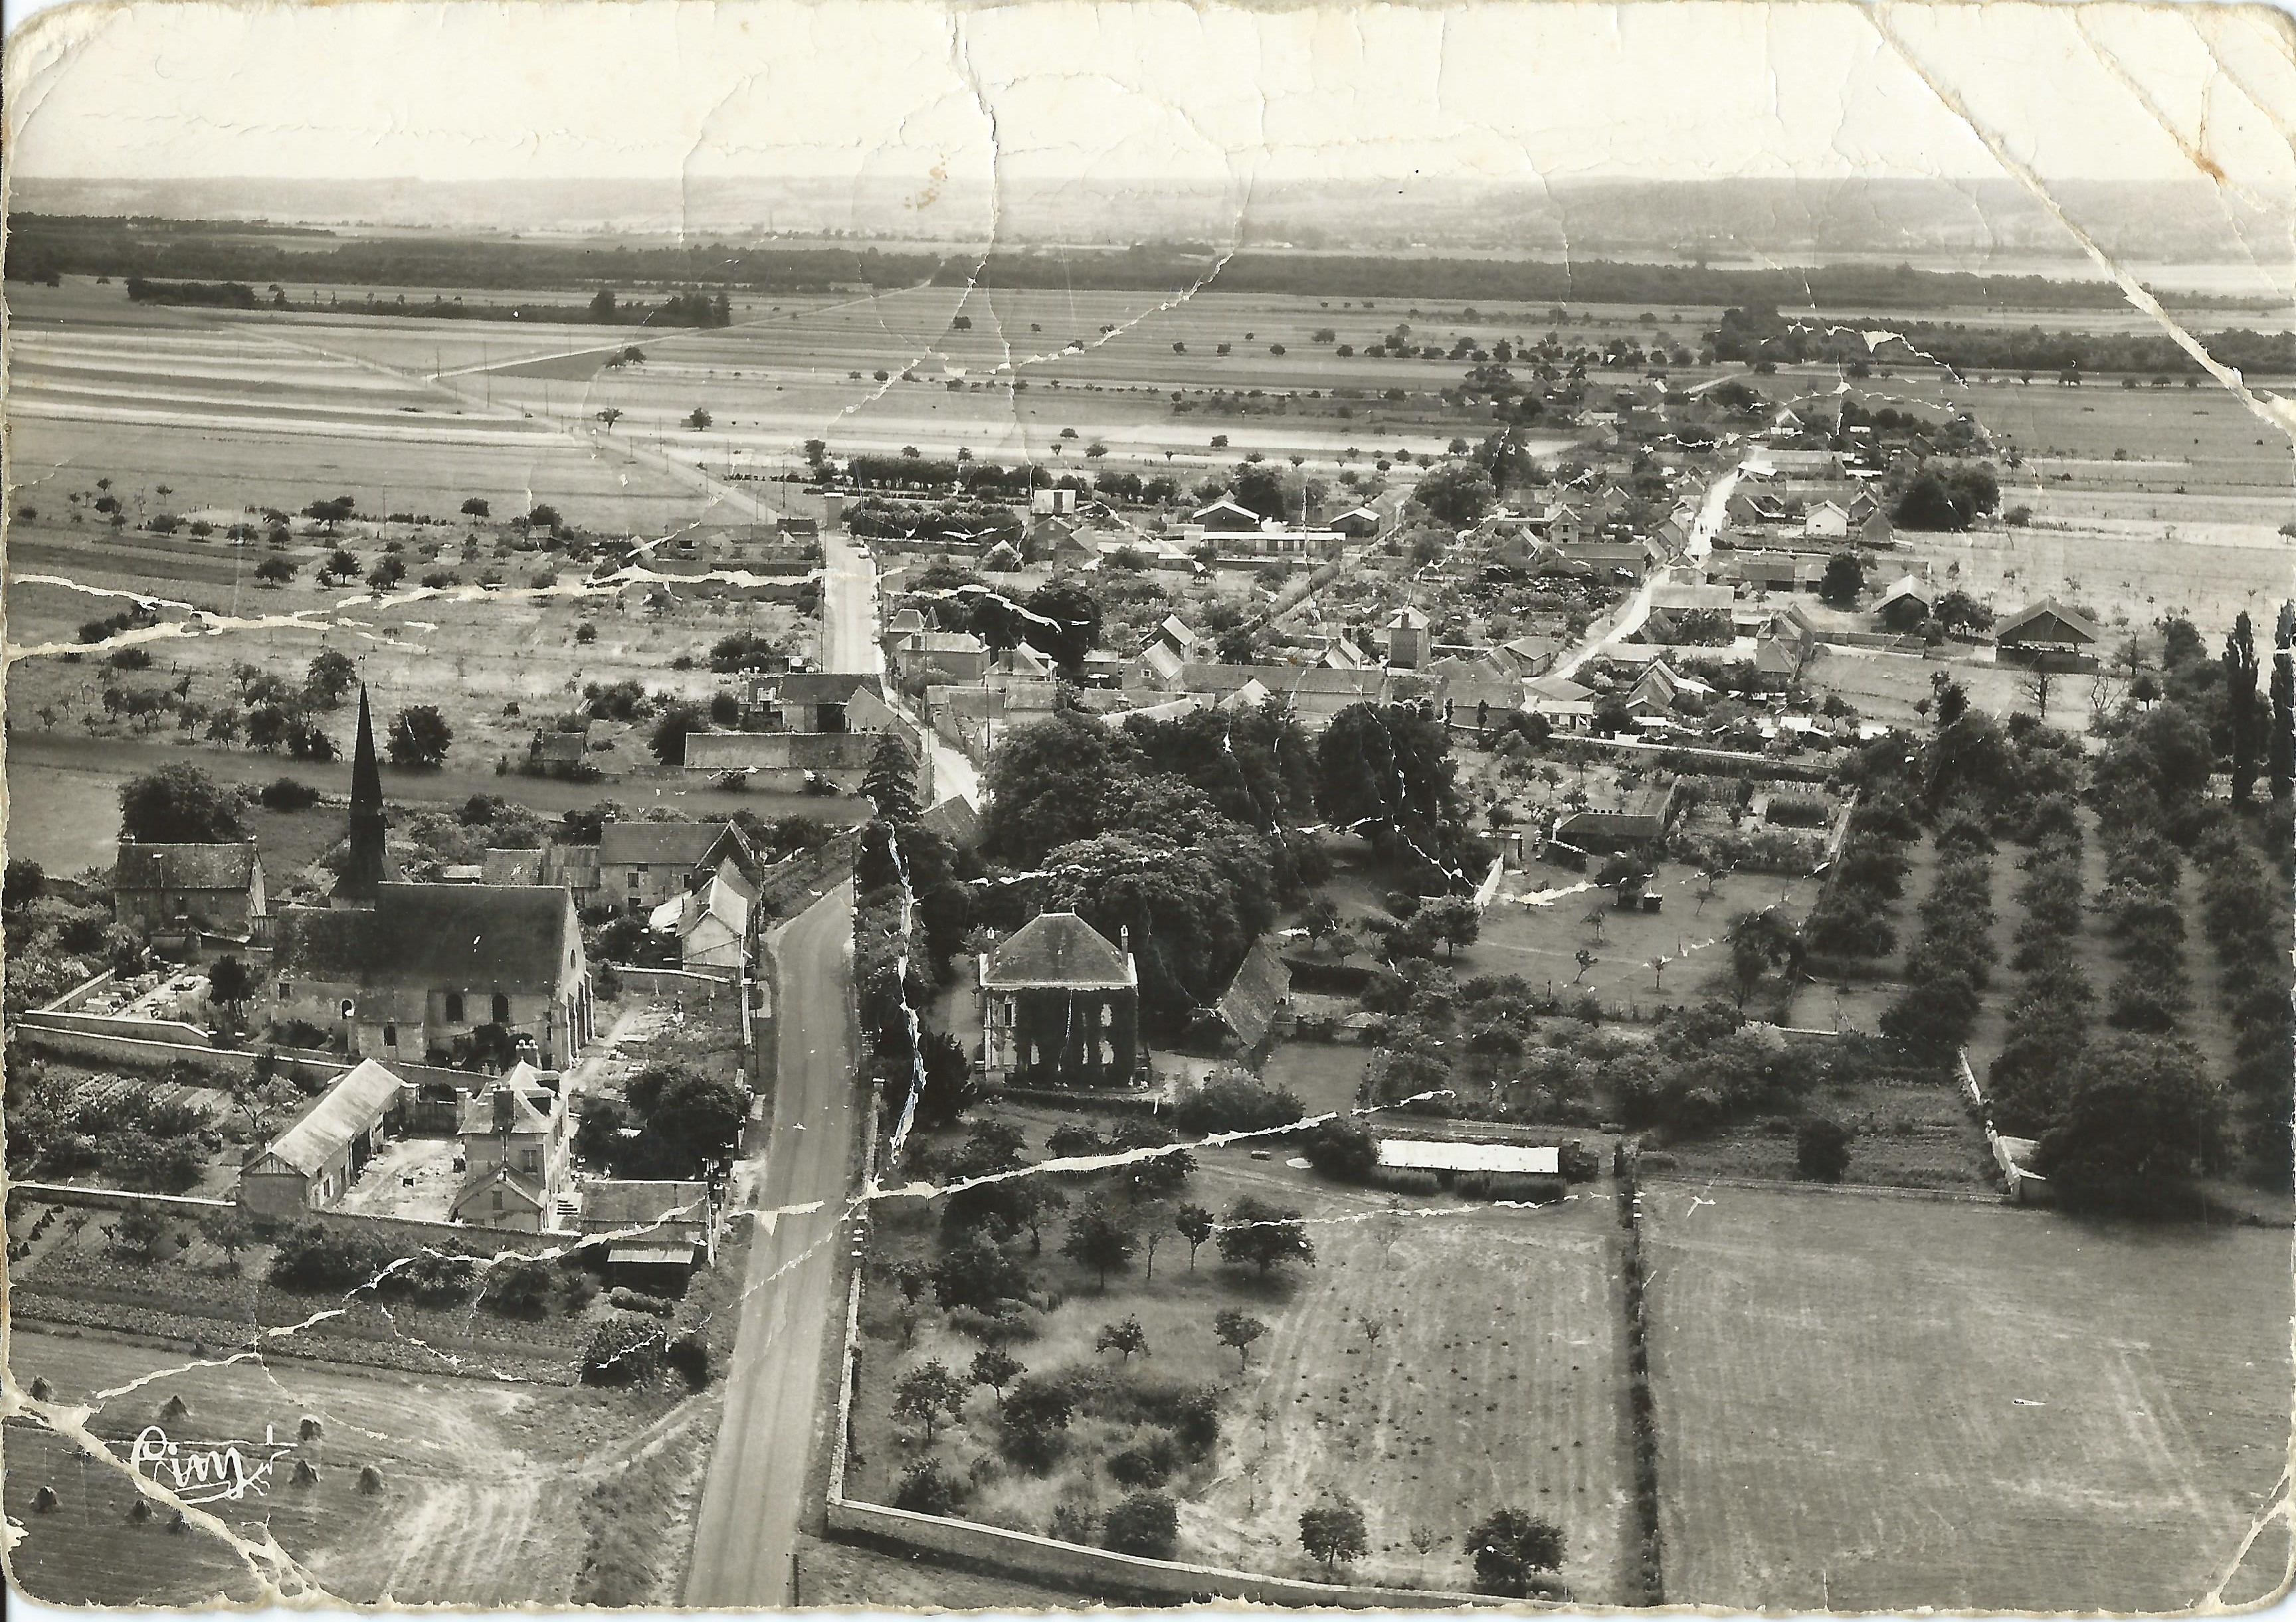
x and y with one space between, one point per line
1822 1150
285 794
630 1300
1149 1462
1144 1523
1402 1180
1798 811
928 1489
1235 1104
689 1356
625 1348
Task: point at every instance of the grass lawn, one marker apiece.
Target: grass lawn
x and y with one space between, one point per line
1510 1393
1325 1075
1882 1404
1537 925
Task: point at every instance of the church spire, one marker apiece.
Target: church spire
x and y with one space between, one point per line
367 865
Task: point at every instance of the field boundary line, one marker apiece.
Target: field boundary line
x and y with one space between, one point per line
1871 1191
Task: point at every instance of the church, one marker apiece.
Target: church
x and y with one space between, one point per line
467 975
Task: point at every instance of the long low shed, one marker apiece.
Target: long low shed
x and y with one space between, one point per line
1443 1154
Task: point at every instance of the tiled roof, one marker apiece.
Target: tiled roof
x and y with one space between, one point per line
353 1105
827 686
2074 625
1261 983
611 1205
226 867
659 844
1056 949
480 1180
509 937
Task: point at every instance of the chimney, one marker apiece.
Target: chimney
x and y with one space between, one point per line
506 1108
1124 939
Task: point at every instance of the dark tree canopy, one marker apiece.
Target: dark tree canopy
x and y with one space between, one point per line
178 805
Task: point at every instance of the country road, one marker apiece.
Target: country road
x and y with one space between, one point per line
745 1544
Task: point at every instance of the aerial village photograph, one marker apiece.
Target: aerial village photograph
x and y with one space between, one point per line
879 805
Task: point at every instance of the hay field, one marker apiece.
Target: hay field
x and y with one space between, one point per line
482 1481
1872 1404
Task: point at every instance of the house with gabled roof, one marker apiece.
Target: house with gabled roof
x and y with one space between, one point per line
311 1164
190 890
1357 523
657 1231
1226 516
1909 601
641 865
1059 1007
2046 627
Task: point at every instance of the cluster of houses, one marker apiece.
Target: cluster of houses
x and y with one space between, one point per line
460 1004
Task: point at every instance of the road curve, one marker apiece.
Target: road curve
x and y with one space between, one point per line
744 1546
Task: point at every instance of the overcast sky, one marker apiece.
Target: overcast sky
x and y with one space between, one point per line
659 89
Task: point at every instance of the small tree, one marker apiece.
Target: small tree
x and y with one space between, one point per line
1508 1544
1239 1330
1126 1337
1261 1236
140 1231
420 736
995 1367
1333 1532
928 1392
1195 1225
698 419
474 506
1100 1239
230 1231
231 983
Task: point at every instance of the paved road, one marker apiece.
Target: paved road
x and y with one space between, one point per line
745 1545
1635 609
849 608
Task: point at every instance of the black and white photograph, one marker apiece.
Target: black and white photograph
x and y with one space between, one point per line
900 805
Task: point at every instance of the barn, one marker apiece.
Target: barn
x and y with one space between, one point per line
314 1161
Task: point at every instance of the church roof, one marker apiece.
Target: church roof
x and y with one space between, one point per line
506 938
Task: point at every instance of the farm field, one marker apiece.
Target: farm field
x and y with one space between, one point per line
482 1480
1511 1394
1875 1403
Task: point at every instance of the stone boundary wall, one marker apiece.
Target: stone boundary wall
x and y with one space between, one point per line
1105 1574
79 994
117 1199
118 1025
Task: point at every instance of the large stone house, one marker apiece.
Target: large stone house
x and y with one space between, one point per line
192 890
1059 1007
643 864
516 1148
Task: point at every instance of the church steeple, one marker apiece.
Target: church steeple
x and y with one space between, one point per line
368 866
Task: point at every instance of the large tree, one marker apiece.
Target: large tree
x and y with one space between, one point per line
1062 623
1456 494
2244 719
890 783
1046 785
178 805
1193 910
2143 1118
1385 772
